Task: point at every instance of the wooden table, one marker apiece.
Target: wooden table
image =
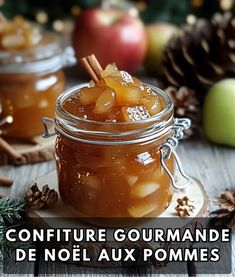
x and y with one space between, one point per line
213 165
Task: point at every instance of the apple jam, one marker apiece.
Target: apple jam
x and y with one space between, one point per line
27 98
118 97
18 33
107 148
31 78
114 180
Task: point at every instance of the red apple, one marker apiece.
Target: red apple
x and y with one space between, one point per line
113 36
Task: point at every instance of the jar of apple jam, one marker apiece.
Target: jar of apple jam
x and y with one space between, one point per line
115 148
31 76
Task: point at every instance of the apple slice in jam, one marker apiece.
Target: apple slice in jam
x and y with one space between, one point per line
116 97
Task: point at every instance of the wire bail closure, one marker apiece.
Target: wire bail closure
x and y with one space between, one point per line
46 121
168 148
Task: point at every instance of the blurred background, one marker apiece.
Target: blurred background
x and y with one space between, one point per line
186 47
50 12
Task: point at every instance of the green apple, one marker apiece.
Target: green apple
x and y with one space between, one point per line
158 35
219 113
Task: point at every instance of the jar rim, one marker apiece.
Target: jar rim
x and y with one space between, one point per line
61 112
113 133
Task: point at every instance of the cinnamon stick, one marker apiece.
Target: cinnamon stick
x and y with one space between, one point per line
93 67
5 182
16 157
89 70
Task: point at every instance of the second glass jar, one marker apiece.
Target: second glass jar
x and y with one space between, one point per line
30 82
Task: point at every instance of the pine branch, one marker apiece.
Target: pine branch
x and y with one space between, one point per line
11 209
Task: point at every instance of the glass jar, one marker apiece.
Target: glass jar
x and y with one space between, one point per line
30 82
116 169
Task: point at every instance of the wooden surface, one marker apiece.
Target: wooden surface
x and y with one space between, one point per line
34 151
213 165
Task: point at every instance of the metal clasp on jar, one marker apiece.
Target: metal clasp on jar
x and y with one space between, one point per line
47 122
168 148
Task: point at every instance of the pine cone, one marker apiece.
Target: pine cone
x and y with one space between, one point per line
187 105
37 199
201 54
225 216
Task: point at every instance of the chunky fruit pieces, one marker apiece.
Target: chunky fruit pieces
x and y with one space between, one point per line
117 96
105 101
18 34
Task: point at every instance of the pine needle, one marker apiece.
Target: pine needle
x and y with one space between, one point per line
11 209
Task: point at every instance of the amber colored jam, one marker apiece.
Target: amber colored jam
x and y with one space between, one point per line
118 97
27 98
115 179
